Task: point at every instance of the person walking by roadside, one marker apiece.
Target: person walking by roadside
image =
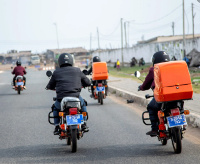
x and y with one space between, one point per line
118 65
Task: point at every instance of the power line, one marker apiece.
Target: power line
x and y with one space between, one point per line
112 31
159 18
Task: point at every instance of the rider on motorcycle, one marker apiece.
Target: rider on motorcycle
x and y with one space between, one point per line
19 70
95 59
67 81
153 107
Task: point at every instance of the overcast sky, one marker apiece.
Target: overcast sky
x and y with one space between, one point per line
29 24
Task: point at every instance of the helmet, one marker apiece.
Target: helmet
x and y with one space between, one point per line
96 59
159 57
65 59
18 63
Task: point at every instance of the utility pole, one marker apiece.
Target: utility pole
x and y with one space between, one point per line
57 34
90 42
125 34
183 32
173 28
193 20
128 33
98 38
122 42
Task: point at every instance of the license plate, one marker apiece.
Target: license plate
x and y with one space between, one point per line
100 89
176 120
74 119
20 83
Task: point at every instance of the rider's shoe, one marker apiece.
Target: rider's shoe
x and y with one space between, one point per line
13 87
24 87
56 131
91 95
85 128
152 133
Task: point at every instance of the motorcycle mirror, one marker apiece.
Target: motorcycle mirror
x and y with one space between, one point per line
11 67
25 67
49 73
86 67
137 74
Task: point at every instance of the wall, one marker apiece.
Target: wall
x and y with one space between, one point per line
147 50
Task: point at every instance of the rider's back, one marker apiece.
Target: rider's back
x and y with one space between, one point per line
67 81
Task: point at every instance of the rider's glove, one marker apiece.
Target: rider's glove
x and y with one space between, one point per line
139 88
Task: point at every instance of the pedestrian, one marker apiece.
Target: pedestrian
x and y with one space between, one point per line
45 63
118 65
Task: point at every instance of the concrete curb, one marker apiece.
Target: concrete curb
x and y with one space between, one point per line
193 119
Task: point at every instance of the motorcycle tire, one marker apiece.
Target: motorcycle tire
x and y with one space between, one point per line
74 140
164 141
18 89
176 140
68 141
101 98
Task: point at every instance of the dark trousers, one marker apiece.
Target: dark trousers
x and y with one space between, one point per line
24 78
153 107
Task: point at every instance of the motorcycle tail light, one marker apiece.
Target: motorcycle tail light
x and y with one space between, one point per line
73 111
19 80
61 114
62 126
100 85
106 86
186 112
175 112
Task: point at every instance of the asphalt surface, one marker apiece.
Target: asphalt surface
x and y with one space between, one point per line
117 134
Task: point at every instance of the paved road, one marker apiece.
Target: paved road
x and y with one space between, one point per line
116 135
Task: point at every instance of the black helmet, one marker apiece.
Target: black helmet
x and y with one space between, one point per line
159 57
65 59
18 63
96 59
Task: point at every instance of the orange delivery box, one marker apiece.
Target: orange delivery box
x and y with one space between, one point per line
99 71
172 81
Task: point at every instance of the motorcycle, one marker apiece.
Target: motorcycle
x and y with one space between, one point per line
172 121
71 119
99 89
19 84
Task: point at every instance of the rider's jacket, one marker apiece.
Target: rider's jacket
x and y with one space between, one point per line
149 80
19 70
68 81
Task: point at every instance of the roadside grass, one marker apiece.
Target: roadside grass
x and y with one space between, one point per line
128 72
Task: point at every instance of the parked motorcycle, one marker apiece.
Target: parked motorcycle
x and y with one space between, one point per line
71 119
19 84
171 89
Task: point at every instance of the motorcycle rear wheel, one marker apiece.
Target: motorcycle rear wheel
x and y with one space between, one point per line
176 140
74 140
18 89
101 98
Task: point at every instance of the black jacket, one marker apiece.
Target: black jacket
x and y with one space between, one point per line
68 81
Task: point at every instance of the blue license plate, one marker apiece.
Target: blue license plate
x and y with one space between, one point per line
100 89
176 120
20 83
74 119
